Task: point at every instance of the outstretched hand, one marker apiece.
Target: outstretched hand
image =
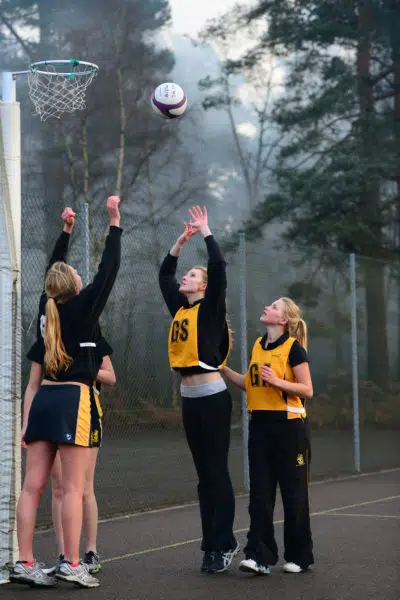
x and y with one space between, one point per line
68 216
199 219
189 232
113 210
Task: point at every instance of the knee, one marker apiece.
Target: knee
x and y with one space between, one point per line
72 487
34 487
88 493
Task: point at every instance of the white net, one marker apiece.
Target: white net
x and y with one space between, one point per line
57 87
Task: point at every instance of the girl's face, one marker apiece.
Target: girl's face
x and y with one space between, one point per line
274 314
192 282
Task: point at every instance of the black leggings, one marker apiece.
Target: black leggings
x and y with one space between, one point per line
279 453
207 423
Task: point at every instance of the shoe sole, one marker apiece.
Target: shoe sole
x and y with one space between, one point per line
295 572
25 581
253 571
76 581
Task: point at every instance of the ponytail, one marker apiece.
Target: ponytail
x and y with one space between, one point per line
296 326
55 358
301 333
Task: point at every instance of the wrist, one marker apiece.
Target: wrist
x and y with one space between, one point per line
115 222
175 250
67 229
205 230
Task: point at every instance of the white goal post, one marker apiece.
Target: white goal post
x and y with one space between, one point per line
10 320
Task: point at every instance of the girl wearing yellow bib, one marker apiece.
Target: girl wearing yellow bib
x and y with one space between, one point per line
198 345
276 381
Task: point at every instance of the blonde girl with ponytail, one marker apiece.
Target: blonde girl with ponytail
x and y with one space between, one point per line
277 383
63 414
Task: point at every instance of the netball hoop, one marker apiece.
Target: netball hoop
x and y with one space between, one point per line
59 86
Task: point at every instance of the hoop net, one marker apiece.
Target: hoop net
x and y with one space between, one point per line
57 87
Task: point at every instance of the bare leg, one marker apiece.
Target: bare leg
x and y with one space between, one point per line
90 510
56 501
39 461
75 462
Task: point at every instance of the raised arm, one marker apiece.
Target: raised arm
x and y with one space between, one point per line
59 254
60 250
94 296
167 275
216 268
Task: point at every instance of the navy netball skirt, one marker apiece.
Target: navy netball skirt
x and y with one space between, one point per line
65 414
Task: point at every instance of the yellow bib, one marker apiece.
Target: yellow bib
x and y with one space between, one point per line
183 343
260 395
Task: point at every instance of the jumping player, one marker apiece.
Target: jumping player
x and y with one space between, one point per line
198 345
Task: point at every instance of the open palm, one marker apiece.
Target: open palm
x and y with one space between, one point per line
198 217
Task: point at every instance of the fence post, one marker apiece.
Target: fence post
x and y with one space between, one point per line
85 244
243 355
354 362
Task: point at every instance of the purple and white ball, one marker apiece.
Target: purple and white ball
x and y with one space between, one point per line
169 100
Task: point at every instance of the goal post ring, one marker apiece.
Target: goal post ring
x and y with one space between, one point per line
59 86
88 68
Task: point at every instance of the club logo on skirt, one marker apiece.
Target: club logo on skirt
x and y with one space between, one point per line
300 460
68 436
94 438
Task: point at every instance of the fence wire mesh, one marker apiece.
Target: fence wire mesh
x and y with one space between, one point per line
145 461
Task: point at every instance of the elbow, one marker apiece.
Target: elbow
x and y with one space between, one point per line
112 380
309 392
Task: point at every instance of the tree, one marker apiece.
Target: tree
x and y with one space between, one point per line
255 156
333 179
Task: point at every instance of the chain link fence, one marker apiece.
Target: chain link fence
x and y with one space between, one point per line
145 461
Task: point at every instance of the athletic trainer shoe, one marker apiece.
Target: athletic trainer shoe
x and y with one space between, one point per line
207 558
79 575
32 575
221 561
252 566
292 567
92 560
52 570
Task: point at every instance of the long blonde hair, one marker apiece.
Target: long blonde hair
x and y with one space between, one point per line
60 286
296 326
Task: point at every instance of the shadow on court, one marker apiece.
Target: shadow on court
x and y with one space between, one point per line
156 556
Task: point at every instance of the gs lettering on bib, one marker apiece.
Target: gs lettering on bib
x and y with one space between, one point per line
260 395
183 341
179 331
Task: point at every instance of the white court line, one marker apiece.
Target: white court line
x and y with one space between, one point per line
195 503
363 515
196 540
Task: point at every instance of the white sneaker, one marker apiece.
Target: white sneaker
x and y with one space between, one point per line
79 575
251 566
291 567
32 575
